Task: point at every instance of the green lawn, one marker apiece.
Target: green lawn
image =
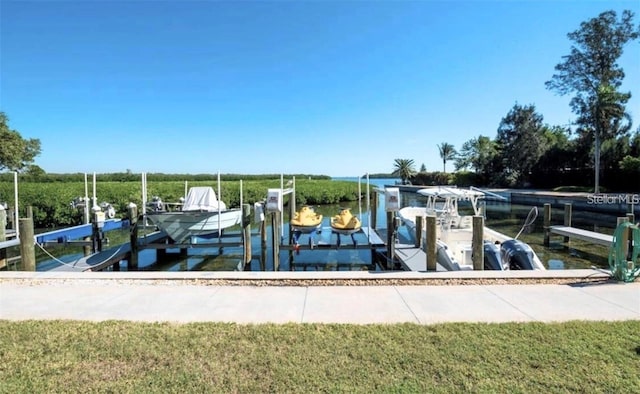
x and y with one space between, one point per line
64 356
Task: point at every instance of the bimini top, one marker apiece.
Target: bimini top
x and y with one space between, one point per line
450 192
202 198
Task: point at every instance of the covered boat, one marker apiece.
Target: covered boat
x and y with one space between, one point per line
201 215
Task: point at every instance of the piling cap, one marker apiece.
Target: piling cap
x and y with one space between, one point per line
131 205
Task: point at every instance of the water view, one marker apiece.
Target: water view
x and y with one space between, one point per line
504 217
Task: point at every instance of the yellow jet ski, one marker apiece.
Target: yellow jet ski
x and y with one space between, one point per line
306 220
345 222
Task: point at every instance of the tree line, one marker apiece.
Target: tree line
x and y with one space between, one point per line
526 152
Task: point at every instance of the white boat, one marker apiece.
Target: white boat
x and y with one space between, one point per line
201 215
455 233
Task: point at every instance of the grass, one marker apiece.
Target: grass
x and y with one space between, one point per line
113 356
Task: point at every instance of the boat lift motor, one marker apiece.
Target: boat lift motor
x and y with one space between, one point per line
274 200
392 199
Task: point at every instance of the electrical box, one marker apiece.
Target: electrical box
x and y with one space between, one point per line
392 199
100 218
274 200
258 212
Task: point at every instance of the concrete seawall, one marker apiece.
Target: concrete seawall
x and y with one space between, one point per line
606 203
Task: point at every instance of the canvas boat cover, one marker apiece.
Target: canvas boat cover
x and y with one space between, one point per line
202 198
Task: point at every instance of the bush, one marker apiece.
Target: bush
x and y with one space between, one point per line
432 178
51 201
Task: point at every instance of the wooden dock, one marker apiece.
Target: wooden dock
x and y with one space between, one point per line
327 239
583 235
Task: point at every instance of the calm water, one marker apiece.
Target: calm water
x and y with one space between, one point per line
506 218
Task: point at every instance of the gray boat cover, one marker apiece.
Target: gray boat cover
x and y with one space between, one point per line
202 198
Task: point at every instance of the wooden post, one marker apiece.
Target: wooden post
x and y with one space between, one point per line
477 243
3 236
27 247
625 236
96 236
86 220
246 232
431 245
374 211
132 261
620 220
275 238
292 214
630 218
546 223
567 218
390 240
263 241
419 220
30 211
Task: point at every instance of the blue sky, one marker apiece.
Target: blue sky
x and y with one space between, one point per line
340 88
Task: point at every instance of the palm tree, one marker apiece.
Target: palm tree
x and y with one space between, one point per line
447 152
403 168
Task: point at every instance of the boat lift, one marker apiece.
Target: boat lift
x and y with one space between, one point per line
274 207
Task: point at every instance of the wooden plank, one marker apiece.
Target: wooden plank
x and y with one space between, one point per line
584 235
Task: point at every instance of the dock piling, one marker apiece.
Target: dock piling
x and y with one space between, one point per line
3 236
27 246
246 232
374 210
419 220
567 218
546 223
132 261
477 243
631 217
275 238
431 246
390 240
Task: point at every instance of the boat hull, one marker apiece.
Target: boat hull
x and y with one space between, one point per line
454 246
181 226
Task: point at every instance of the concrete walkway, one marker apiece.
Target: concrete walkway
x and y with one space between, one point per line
176 297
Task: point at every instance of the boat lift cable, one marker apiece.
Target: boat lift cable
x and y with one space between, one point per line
57 260
621 268
531 217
